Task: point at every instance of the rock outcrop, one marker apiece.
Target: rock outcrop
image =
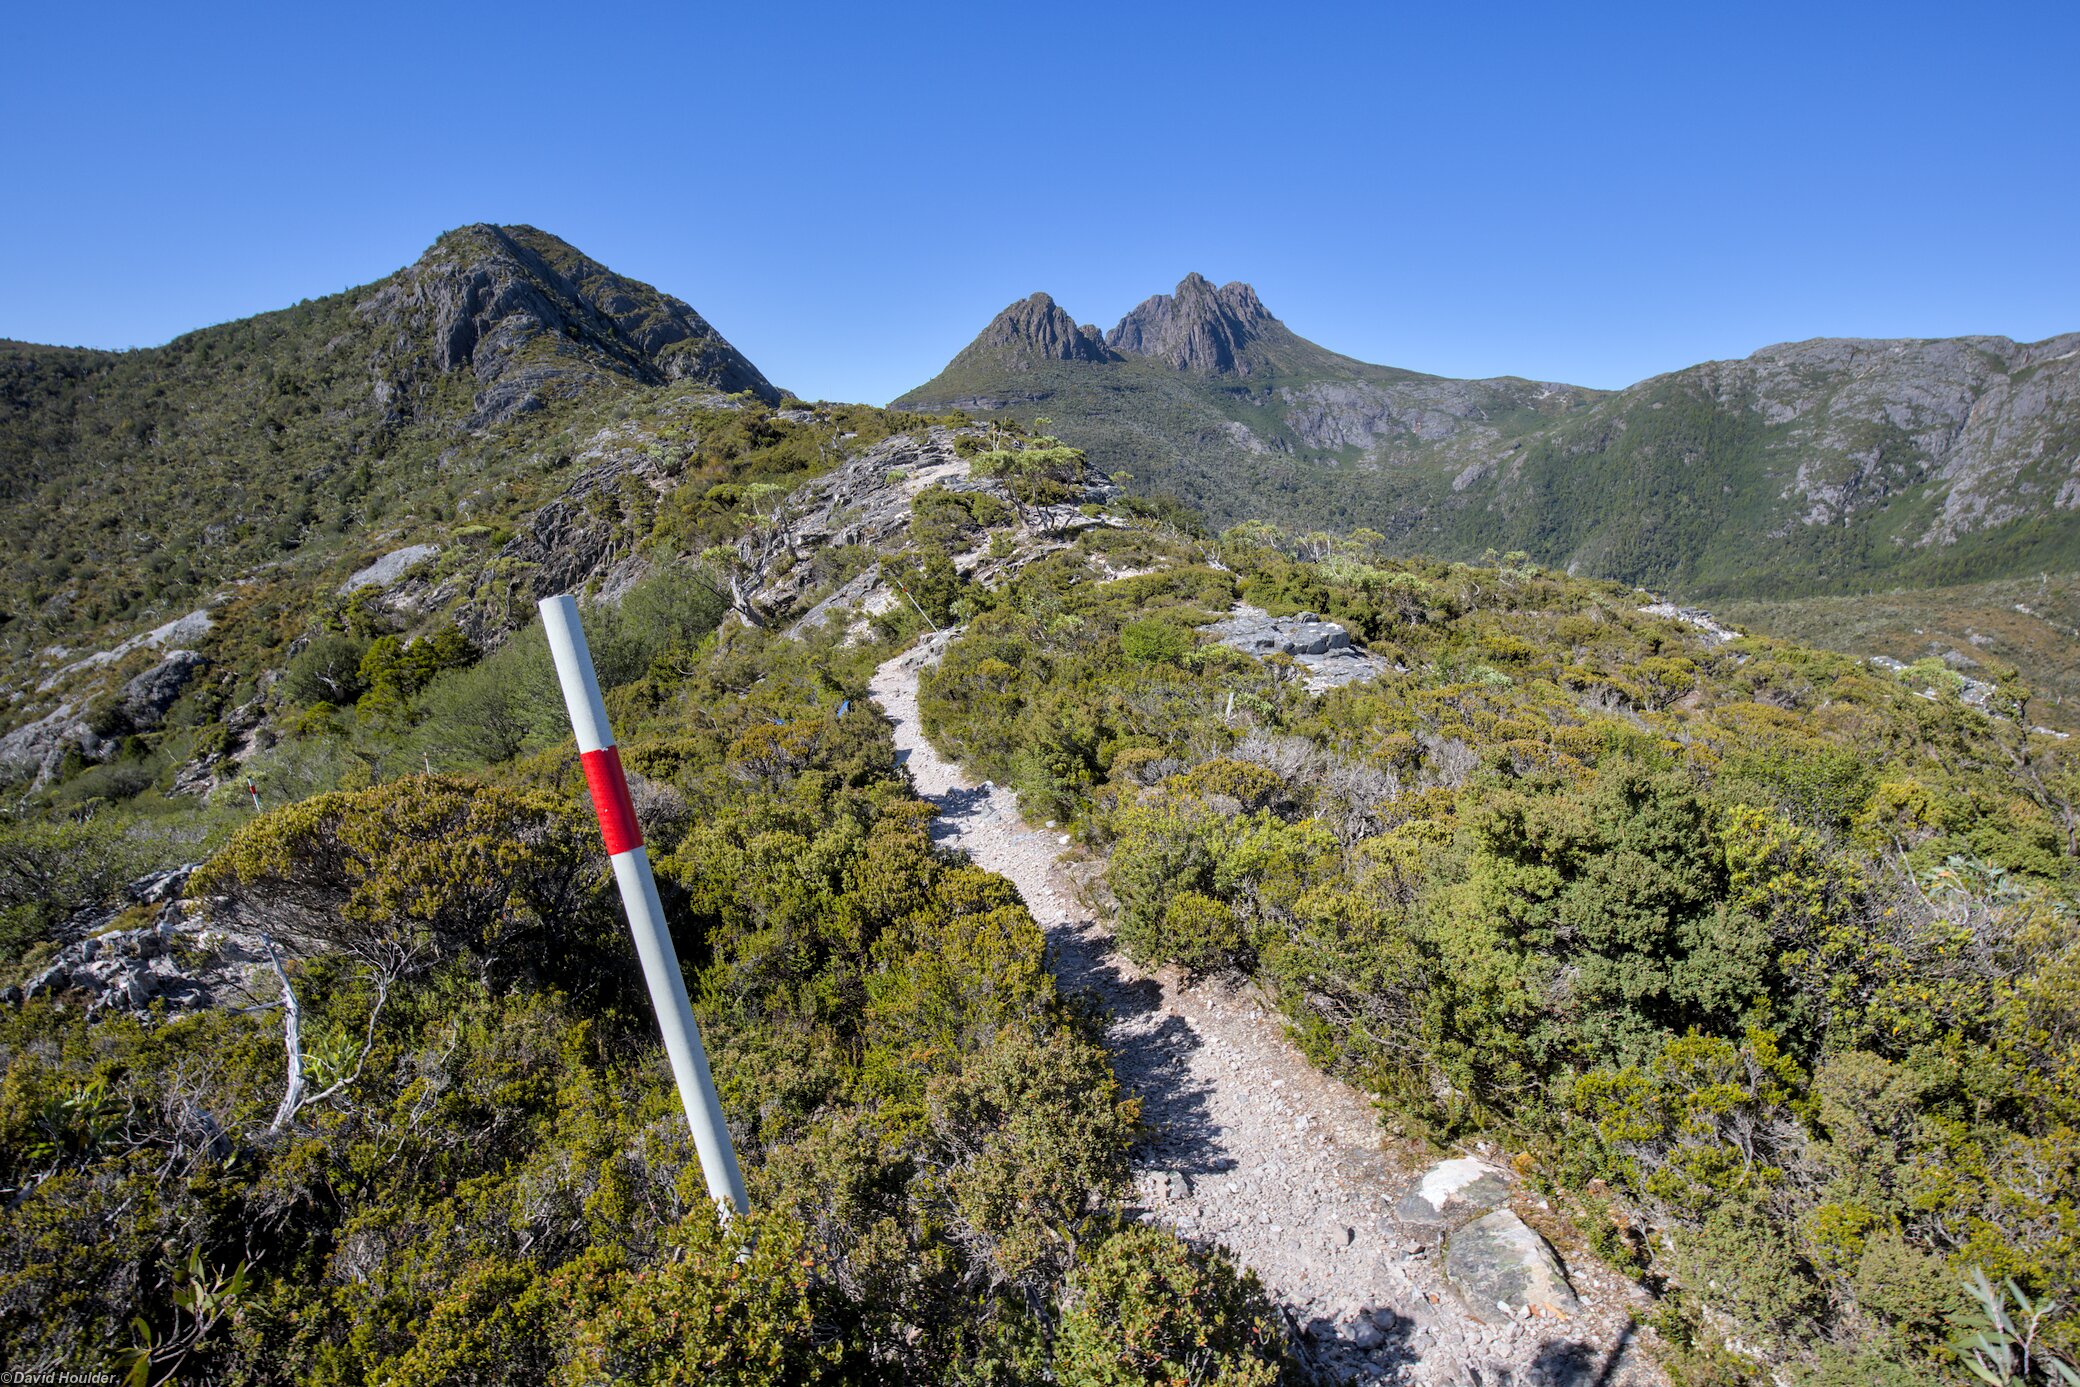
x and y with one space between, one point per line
867 500
533 318
389 568
1198 328
178 960
1504 1268
144 700
1697 618
38 748
1323 647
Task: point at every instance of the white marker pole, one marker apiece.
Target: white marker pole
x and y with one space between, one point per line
624 840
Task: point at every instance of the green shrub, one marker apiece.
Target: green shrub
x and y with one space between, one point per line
736 1307
1154 642
420 869
1032 1137
327 670
1143 1307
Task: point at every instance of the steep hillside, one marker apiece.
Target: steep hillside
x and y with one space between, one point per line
1816 466
1624 981
135 482
1811 467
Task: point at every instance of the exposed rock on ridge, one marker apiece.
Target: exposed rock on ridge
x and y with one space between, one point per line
1828 463
533 317
1198 328
1036 328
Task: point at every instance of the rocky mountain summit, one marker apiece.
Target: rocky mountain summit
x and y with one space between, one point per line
1198 328
530 316
454 393
1032 329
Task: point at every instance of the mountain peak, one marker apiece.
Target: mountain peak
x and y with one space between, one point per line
1197 328
533 317
1035 328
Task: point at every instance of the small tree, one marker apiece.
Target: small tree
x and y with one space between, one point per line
400 876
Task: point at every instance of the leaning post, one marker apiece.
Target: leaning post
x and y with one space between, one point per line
624 840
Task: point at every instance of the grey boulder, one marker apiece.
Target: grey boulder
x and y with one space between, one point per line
1505 1270
1452 1192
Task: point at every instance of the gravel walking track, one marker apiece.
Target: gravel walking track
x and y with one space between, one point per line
1255 1150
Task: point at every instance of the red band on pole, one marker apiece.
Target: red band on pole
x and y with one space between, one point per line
617 812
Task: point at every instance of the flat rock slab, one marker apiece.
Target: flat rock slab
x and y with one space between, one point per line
1323 647
1452 1192
392 566
1506 1271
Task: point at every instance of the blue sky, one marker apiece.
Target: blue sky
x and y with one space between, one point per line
1574 192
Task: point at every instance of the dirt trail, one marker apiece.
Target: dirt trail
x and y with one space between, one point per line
1256 1150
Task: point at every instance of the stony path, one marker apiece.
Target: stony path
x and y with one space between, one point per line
1256 1150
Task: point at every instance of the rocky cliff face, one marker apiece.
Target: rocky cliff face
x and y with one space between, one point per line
532 318
1034 329
1990 425
1199 328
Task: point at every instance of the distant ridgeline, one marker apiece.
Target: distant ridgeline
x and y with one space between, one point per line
1813 467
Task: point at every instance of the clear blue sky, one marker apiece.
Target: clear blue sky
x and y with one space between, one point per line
1570 191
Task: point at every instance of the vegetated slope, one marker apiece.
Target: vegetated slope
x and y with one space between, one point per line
488 1177
1204 395
494 1184
1527 863
1809 467
2031 623
1247 1146
133 482
1762 956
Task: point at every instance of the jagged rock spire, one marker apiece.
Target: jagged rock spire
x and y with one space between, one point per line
1036 328
1198 328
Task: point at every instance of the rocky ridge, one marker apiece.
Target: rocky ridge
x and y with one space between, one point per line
1199 328
532 318
1036 328
867 502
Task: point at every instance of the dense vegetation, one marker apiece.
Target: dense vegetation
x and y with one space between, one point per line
1762 957
488 1178
2032 623
1809 472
